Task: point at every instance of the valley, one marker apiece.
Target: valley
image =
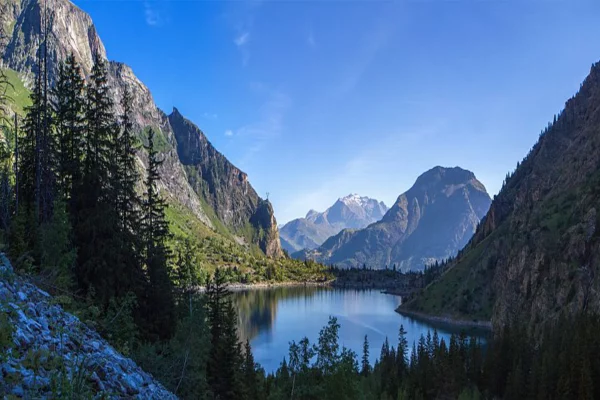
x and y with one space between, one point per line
137 260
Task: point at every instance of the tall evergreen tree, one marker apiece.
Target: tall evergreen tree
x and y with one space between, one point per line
99 264
224 362
157 253
69 109
251 389
365 365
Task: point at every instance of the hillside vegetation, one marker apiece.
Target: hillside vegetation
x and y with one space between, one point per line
536 254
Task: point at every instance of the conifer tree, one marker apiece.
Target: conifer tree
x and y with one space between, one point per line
69 108
365 366
157 254
127 202
251 390
99 264
224 363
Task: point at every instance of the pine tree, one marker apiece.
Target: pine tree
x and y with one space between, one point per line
251 391
156 232
402 354
224 363
69 108
365 365
127 203
99 264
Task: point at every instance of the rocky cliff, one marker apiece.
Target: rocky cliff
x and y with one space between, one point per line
349 212
72 31
536 254
224 187
48 353
431 221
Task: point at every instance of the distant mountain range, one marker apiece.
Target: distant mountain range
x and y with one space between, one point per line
434 219
349 212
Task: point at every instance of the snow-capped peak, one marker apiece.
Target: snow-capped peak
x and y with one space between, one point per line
354 199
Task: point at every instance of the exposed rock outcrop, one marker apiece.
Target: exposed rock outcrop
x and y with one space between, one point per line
225 187
42 345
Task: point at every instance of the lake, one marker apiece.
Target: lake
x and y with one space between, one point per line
272 318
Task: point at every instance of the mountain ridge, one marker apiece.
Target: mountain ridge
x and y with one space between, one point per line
536 254
351 211
75 33
410 234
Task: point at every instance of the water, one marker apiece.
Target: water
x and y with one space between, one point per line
272 318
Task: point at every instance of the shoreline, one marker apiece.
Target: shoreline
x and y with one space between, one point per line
459 323
238 287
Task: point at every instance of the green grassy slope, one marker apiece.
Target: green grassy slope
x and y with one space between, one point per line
16 92
246 264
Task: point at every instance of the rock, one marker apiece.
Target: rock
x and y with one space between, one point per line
36 333
95 345
18 391
36 382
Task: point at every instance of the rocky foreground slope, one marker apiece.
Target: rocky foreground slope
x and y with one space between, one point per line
46 352
536 254
431 221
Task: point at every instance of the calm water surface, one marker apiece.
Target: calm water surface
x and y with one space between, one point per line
272 318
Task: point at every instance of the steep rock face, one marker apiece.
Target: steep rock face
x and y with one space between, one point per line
224 187
536 255
349 212
431 221
40 329
72 31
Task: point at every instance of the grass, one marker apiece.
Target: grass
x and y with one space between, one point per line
16 92
242 263
161 144
463 292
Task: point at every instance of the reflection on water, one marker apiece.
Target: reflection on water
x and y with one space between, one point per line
257 308
272 318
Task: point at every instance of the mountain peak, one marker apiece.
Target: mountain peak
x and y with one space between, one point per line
351 211
175 113
431 221
445 175
354 198
311 213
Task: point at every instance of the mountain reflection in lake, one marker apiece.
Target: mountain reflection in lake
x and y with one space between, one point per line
272 318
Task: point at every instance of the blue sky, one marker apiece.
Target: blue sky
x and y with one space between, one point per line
318 99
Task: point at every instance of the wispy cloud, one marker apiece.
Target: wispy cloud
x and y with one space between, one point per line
211 116
241 19
229 133
151 14
368 50
155 12
242 39
269 124
311 39
362 173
